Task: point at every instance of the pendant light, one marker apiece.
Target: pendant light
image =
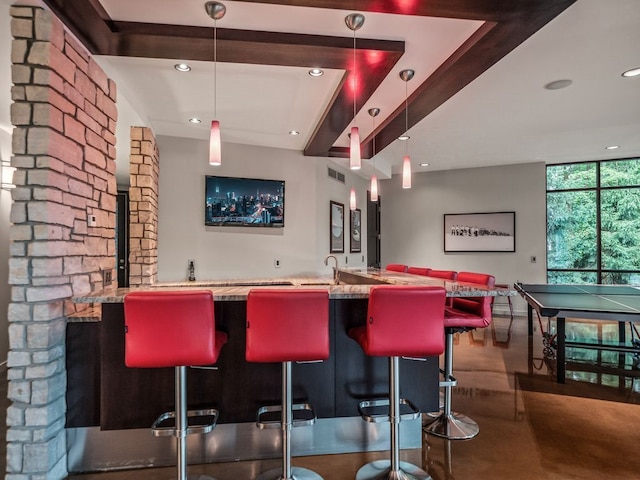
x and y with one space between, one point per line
374 179
352 199
216 11
354 21
406 75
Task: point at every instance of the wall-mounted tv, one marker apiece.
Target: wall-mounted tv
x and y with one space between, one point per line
243 202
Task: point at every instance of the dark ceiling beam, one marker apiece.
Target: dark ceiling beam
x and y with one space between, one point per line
272 48
87 20
487 10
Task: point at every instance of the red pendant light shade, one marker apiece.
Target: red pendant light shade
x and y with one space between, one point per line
215 149
406 172
355 161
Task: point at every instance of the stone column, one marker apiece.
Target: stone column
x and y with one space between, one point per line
143 207
63 226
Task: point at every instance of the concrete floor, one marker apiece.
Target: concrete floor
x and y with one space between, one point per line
530 426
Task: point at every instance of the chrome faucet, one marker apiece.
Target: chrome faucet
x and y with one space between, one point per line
335 269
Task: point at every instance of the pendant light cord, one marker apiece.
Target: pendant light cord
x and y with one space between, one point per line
406 116
215 69
373 132
354 77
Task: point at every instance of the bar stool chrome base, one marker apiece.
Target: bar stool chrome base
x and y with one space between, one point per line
454 426
381 470
297 473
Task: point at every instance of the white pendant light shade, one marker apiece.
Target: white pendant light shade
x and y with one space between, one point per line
406 172
215 150
352 199
374 188
355 161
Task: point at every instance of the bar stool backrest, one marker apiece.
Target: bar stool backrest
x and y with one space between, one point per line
419 271
396 267
287 325
445 274
170 329
480 306
405 320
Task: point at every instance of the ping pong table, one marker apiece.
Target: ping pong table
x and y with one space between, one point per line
620 303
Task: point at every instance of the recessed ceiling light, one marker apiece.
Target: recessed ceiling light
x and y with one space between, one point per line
294 132
558 84
404 138
424 164
612 147
316 72
195 120
182 67
634 72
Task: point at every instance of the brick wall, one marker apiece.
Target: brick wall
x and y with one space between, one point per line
64 115
144 165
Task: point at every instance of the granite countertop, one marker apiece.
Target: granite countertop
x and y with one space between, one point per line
237 290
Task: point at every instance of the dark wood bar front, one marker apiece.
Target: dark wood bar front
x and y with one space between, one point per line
104 392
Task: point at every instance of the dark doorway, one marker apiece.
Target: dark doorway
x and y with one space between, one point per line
122 238
373 232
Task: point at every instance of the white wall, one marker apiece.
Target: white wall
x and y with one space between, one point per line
412 220
244 252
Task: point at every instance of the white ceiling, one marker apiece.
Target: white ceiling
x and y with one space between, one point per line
504 116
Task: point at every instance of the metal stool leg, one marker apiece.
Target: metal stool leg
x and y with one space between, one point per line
393 469
287 472
448 424
182 426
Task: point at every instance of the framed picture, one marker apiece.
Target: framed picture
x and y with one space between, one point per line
356 231
480 232
336 227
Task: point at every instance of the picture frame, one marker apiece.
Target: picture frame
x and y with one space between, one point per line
355 243
480 232
336 227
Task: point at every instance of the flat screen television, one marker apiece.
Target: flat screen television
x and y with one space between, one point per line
244 202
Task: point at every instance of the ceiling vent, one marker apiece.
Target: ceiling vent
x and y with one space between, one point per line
336 175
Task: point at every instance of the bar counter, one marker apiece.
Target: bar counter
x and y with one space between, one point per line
110 407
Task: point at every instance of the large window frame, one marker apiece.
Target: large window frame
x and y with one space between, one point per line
598 272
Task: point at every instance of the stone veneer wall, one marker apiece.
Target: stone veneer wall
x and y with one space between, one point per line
144 165
64 114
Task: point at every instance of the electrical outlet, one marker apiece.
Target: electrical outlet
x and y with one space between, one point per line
276 263
106 277
91 221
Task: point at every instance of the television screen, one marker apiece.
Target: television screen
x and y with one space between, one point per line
250 202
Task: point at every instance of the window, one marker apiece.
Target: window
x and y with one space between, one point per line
593 222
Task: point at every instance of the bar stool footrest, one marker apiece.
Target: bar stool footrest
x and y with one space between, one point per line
447 380
306 416
199 421
367 408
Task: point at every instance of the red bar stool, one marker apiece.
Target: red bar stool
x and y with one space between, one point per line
174 329
465 313
419 271
396 267
407 321
287 326
444 274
